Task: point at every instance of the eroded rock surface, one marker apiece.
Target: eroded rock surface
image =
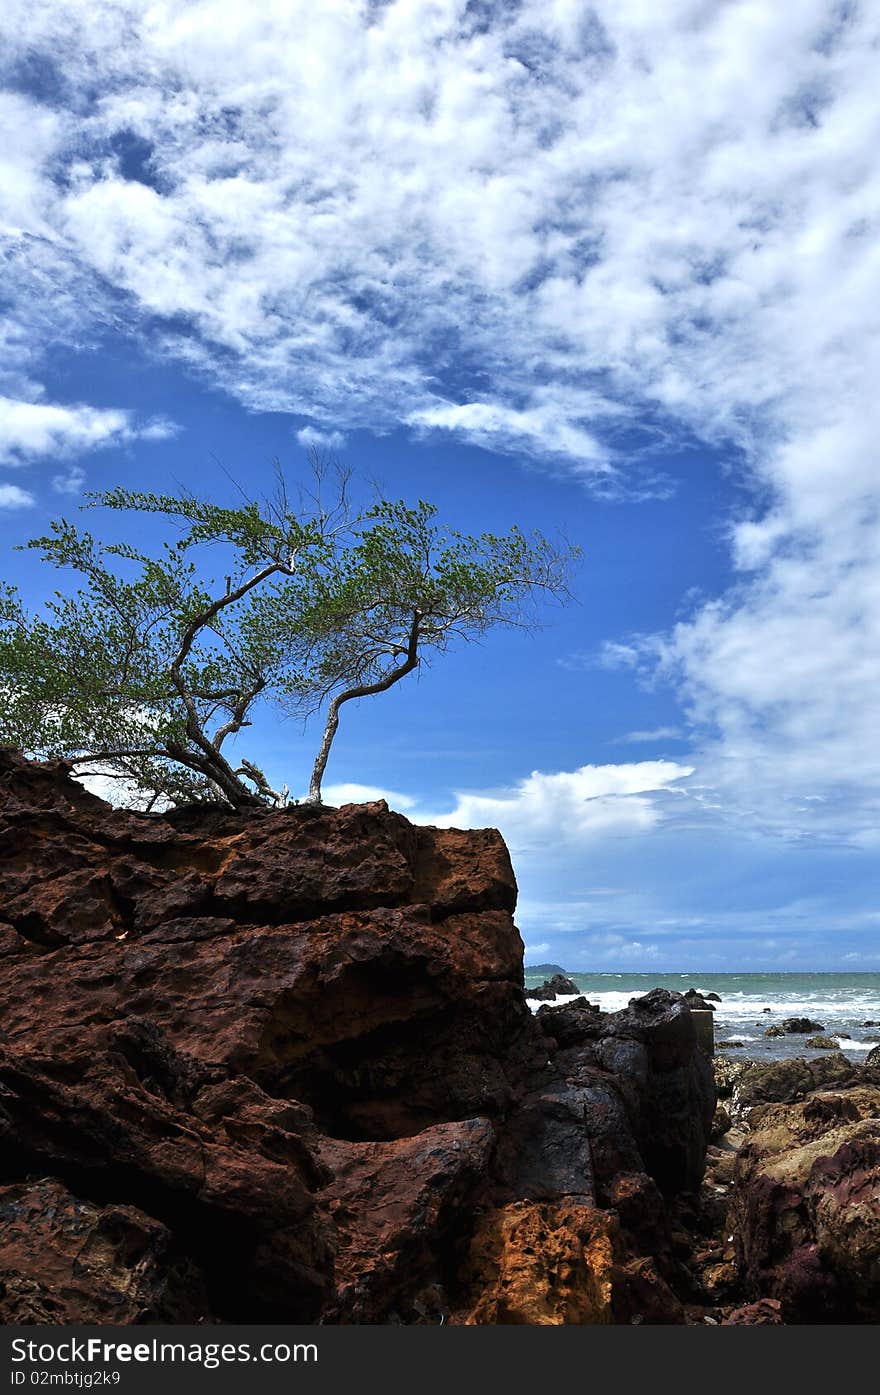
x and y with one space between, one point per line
278 1066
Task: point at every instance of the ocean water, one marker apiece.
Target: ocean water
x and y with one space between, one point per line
841 1002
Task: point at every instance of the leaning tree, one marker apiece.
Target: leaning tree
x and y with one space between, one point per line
152 666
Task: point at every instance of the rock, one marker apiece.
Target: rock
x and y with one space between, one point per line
390 1203
570 1023
871 1023
789 1080
548 1265
823 1043
805 1207
799 1026
766 1312
277 1066
775 1031
557 987
872 1036
766 1009
667 1082
712 998
700 1000
721 1123
728 1074
67 1260
729 1045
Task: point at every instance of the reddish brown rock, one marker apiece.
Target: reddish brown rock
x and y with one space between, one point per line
766 1312
392 1204
64 1260
286 1060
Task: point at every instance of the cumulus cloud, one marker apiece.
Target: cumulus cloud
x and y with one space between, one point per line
13 497
311 437
32 430
569 806
534 227
353 793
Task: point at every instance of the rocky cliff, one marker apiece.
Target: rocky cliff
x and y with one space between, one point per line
279 1066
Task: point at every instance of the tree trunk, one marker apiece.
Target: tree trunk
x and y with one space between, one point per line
360 690
320 765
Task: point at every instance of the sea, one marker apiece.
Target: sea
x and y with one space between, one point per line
841 1002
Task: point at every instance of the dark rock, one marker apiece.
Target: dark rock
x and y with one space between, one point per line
713 998
570 1023
775 1031
700 1000
823 1043
799 1026
557 987
721 1123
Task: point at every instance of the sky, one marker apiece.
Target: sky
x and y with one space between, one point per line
609 270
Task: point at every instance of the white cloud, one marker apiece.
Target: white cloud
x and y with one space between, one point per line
12 497
353 793
313 437
541 430
655 734
71 482
569 807
31 430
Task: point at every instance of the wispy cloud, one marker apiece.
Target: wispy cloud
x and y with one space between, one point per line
71 482
646 737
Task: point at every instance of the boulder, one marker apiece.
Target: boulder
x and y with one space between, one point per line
557 987
700 1000
823 1043
799 1026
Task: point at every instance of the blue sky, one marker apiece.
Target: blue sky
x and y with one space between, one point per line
610 269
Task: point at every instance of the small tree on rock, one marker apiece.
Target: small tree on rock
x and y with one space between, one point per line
152 667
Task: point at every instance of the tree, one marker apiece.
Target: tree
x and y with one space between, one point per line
151 666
